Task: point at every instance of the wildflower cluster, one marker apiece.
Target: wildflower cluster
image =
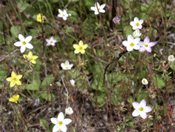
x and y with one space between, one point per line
133 42
60 122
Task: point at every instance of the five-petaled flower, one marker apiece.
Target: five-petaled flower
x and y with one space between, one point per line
14 98
60 123
31 57
63 14
131 43
80 48
24 43
41 18
116 20
72 82
69 111
136 24
97 8
146 45
141 109
137 33
144 81
66 65
171 58
51 41
14 79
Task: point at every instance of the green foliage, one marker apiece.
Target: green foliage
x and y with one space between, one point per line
159 82
47 81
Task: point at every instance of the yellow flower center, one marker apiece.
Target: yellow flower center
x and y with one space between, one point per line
80 48
131 44
60 123
171 58
98 9
144 81
14 79
63 15
67 67
24 43
137 24
141 109
51 41
146 45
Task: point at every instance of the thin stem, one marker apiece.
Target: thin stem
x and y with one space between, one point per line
67 102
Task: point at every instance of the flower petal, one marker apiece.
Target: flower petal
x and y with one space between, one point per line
149 49
142 49
67 121
125 43
152 44
103 5
143 114
81 43
130 38
135 105
63 128
54 120
85 46
141 21
129 48
22 49
141 43
29 46
147 109
143 103
18 44
28 39
66 62
56 128
19 76
60 116
147 40
137 47
21 37
135 113
136 19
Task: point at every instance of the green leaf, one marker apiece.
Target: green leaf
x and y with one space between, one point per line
34 86
48 96
101 100
172 65
128 30
15 30
159 82
47 81
22 5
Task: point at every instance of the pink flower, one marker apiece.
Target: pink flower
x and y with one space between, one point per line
146 45
141 109
51 41
116 20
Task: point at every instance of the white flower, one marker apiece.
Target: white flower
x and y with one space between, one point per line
137 33
98 8
60 123
141 109
131 43
144 81
24 43
72 82
63 14
66 65
171 58
136 24
69 111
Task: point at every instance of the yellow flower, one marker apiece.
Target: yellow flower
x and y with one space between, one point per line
14 98
31 57
40 18
14 79
80 48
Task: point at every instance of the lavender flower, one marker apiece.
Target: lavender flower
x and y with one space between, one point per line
146 45
51 41
116 20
